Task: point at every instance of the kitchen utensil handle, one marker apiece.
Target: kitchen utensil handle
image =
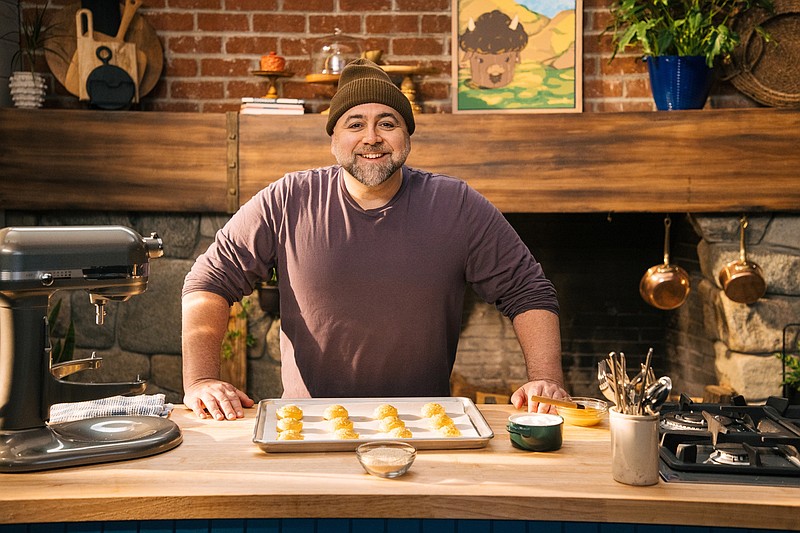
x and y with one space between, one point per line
667 224
553 401
645 371
742 252
129 10
84 19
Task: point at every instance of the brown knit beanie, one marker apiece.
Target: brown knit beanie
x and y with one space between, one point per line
364 82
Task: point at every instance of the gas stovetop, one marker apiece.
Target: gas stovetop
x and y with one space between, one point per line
736 443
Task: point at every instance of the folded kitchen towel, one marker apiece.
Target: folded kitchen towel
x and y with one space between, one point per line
142 405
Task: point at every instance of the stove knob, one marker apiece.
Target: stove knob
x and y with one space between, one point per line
46 279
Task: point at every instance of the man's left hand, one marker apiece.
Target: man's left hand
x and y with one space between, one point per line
521 396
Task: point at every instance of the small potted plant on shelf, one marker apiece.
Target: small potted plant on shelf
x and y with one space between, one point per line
680 40
35 35
269 298
791 377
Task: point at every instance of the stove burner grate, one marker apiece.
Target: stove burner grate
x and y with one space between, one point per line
690 420
729 454
736 444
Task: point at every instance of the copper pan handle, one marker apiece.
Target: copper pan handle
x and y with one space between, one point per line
667 224
742 251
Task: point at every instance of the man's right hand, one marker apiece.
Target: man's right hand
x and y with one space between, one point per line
216 399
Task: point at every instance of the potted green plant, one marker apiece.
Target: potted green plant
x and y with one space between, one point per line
791 377
35 35
269 297
680 40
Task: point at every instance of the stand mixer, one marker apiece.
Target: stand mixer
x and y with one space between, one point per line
110 263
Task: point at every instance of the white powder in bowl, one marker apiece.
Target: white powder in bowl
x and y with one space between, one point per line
537 419
385 460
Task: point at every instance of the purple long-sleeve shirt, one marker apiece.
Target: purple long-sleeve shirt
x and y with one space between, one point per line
371 300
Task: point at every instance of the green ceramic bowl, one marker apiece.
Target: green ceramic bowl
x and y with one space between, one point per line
536 432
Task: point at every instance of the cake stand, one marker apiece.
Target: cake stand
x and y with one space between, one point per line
272 77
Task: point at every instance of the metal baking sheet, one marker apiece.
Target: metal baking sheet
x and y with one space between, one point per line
475 431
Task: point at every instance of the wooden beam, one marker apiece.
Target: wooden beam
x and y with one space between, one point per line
690 161
678 161
112 160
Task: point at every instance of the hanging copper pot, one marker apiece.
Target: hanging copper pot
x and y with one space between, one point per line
742 280
665 286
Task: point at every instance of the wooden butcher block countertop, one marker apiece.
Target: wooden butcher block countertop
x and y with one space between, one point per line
218 472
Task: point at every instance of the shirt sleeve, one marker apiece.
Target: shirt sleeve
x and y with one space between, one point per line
500 266
243 251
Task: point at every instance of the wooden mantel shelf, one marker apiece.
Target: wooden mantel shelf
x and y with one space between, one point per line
680 161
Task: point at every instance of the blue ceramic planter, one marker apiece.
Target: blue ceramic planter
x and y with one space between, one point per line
679 82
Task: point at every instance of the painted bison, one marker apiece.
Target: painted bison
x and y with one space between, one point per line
492 45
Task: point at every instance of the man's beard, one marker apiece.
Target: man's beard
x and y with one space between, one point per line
372 173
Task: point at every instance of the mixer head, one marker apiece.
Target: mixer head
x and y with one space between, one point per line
110 262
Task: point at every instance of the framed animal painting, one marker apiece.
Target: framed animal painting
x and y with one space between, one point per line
519 56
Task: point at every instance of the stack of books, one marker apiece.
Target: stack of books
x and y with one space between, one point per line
271 106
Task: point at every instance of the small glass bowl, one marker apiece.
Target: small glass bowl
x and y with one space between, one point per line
592 413
388 459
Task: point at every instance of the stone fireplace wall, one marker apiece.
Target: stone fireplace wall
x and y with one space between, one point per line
713 339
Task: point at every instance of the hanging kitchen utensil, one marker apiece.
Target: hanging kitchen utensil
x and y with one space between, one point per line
665 286
63 53
72 78
124 54
108 86
133 60
742 280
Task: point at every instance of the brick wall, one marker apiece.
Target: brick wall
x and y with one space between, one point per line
210 47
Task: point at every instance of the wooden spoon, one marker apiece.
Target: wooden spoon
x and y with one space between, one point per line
557 403
128 11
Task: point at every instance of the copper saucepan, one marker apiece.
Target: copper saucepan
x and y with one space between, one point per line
742 280
665 286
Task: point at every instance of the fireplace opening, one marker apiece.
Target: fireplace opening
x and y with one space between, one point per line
710 346
596 262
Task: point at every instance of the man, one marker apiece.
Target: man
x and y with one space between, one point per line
373 258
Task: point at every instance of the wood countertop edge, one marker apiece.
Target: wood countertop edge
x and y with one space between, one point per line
218 473
601 509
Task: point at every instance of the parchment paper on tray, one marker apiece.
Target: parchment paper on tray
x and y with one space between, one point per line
317 437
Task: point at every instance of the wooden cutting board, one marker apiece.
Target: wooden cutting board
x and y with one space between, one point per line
140 33
123 54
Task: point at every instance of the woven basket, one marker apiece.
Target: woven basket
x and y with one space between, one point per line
769 73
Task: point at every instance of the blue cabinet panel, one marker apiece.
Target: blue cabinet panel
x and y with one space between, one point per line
332 525
368 525
185 526
228 526
404 525
265 525
438 525
473 526
581 527
165 526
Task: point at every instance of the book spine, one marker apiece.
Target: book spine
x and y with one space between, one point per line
255 100
252 111
275 107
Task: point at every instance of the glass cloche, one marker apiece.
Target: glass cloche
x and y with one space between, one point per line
329 54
